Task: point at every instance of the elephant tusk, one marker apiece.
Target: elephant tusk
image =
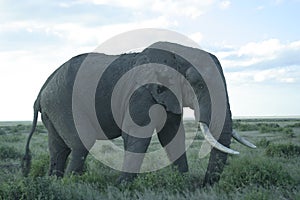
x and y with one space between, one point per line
212 141
241 140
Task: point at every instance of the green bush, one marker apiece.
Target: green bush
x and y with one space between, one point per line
199 137
9 152
11 138
40 129
295 125
288 132
244 126
283 150
258 171
166 179
263 143
269 127
20 127
39 166
48 188
2 131
259 193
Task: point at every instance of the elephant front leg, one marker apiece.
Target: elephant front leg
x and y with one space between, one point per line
172 138
135 149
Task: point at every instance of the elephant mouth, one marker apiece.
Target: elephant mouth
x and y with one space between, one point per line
214 143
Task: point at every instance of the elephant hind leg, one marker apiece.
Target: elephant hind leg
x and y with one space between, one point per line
59 151
77 158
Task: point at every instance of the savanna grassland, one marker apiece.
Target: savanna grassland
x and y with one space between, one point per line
269 172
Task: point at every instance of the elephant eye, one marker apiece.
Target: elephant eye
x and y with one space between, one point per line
159 89
201 86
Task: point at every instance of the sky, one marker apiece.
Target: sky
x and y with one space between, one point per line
257 43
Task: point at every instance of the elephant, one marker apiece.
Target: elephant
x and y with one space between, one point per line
73 123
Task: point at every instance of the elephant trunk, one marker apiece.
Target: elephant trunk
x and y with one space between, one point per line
220 142
218 157
203 115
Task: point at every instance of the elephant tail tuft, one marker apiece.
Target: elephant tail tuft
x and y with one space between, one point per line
26 161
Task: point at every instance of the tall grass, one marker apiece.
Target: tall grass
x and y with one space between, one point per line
269 172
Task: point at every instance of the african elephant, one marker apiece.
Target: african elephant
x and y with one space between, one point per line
70 119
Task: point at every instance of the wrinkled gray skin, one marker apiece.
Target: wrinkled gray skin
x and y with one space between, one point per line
54 102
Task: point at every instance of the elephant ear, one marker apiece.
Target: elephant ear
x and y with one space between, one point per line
167 98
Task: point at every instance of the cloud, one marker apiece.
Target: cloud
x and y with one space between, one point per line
189 8
268 53
278 75
278 2
197 37
269 61
261 7
224 5
78 34
265 48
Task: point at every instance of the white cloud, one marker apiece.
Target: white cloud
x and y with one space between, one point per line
269 61
98 34
80 34
260 7
224 4
188 8
23 74
268 53
197 37
280 75
265 48
278 2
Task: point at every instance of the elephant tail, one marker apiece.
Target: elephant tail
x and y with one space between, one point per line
26 161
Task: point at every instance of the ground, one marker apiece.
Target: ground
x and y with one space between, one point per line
269 172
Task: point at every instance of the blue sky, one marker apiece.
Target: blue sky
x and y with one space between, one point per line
257 42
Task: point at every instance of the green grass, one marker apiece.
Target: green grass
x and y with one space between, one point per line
269 172
283 150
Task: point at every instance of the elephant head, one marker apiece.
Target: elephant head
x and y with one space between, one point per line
205 79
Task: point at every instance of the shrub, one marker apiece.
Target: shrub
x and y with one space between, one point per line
47 188
254 171
263 143
12 138
269 127
2 131
199 137
283 150
259 193
9 152
295 125
40 167
244 126
20 127
40 129
14 129
166 179
289 132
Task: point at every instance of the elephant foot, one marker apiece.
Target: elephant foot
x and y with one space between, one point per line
181 164
56 173
126 177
